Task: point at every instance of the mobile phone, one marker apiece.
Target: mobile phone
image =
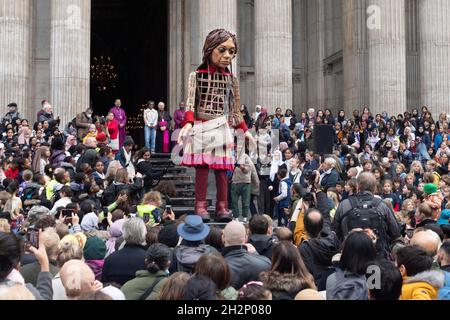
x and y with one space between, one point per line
67 212
32 238
409 233
168 208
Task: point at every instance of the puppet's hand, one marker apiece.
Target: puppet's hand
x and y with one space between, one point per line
184 133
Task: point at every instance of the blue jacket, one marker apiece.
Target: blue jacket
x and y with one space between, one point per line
438 140
286 202
330 180
444 292
120 156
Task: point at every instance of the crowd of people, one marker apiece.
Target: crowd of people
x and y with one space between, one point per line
79 201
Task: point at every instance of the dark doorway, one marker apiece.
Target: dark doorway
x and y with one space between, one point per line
129 56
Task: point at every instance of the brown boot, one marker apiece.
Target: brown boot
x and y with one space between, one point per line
201 209
223 214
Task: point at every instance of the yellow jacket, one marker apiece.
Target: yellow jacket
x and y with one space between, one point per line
423 286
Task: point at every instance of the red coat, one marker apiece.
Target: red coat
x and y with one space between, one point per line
12 174
113 129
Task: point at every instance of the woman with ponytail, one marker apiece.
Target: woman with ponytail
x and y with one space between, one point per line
148 283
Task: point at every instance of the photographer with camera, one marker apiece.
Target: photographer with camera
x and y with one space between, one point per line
313 236
311 197
329 176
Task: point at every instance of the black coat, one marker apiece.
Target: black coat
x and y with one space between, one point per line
317 254
245 267
145 168
263 244
134 190
121 266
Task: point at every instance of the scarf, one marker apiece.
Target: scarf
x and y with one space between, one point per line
129 164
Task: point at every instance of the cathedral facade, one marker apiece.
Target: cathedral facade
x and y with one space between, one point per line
337 54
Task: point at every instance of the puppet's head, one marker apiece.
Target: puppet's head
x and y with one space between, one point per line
220 48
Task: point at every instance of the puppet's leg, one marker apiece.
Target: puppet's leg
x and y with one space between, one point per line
222 212
201 185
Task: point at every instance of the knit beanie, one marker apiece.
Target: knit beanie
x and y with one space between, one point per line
94 249
101 137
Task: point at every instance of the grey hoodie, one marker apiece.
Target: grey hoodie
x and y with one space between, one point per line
436 278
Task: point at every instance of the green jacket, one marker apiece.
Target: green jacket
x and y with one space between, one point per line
148 213
135 288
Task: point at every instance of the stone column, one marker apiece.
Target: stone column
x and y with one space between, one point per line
387 57
70 57
177 80
216 14
273 63
435 54
412 54
356 70
15 55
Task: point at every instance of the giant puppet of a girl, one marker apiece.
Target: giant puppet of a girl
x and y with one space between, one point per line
212 109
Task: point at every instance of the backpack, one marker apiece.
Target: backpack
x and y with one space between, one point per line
30 192
364 215
346 286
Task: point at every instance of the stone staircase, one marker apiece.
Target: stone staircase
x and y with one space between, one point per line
183 179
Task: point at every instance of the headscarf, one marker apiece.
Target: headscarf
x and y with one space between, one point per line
89 223
262 118
70 141
116 232
396 145
275 164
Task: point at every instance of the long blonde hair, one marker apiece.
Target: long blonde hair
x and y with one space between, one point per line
413 164
152 197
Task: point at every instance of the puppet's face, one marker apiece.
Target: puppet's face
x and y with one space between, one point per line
223 55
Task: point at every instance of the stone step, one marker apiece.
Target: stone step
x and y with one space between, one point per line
186 201
161 156
175 170
179 211
177 177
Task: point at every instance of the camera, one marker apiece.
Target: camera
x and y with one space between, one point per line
308 197
310 176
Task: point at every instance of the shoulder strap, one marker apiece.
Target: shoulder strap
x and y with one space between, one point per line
150 289
354 202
